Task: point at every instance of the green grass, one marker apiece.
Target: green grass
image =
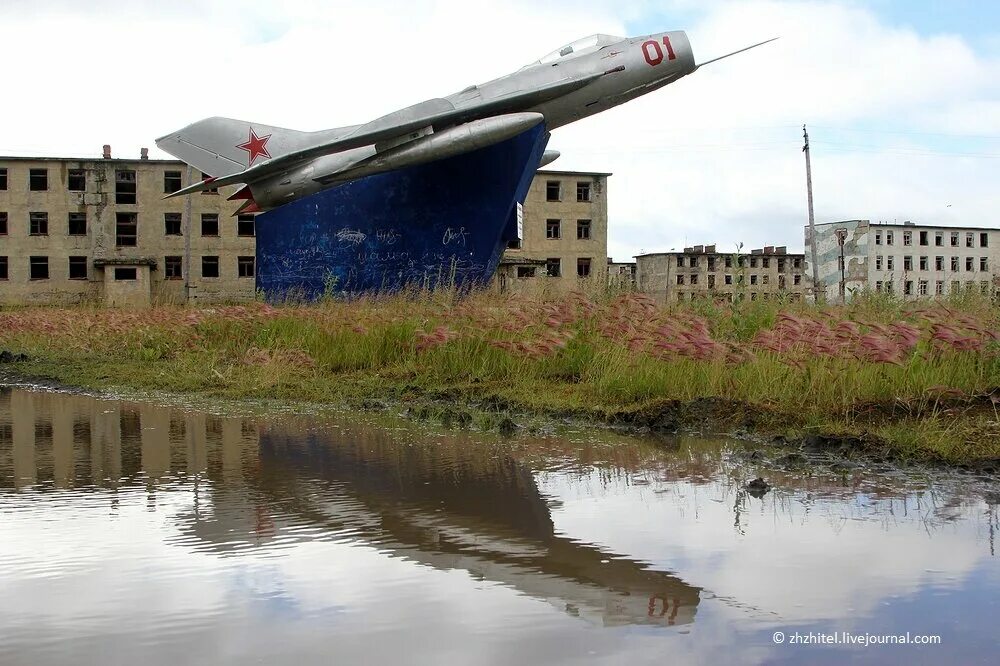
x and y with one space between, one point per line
911 379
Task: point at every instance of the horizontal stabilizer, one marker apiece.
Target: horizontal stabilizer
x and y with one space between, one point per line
766 41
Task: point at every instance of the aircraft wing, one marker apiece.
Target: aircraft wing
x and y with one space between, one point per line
436 112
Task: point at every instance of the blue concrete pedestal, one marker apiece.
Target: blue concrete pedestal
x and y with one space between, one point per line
444 223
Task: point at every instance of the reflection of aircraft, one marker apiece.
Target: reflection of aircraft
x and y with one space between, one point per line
449 506
278 165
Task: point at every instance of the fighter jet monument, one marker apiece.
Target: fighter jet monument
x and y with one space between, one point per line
425 194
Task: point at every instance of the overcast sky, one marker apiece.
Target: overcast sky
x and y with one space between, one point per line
902 97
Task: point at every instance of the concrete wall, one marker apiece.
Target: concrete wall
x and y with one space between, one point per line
97 202
124 293
568 210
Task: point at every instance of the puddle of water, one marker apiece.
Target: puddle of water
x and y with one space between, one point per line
141 533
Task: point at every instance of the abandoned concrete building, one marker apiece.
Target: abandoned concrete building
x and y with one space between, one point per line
702 271
564 233
909 260
98 230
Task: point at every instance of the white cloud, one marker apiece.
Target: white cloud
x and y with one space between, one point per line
713 158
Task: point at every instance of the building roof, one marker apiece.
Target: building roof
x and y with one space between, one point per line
908 225
555 172
20 158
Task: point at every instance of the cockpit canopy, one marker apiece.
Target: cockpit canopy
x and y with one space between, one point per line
578 48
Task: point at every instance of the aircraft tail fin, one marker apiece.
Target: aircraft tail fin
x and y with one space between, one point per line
766 41
223 146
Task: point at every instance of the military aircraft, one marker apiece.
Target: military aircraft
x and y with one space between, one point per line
277 166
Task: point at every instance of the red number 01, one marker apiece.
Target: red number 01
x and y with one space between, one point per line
655 57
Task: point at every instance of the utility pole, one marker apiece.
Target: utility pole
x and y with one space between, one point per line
812 220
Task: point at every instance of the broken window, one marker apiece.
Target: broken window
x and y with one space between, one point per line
583 267
753 279
552 190
889 261
3 178
210 267
209 224
729 261
797 262
126 229
888 238
923 238
38 224
765 262
878 286
583 229
680 261
753 262
729 279
38 268
939 287
172 268
923 263
76 180
694 278
984 239
211 190
78 268
245 266
939 263
908 288
514 244
922 287
781 265
907 263
765 279
694 262
711 264
781 282
245 225
878 262
983 264
969 238
954 263
38 180
123 273
525 271
3 224
969 264
124 186
552 229
3 268
171 181
907 238
77 224
938 238
680 279
711 282
172 224
553 266
878 237
796 279
954 239
583 191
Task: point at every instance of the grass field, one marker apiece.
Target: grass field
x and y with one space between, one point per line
918 379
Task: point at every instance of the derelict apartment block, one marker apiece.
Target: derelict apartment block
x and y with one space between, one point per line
702 271
99 230
564 232
908 260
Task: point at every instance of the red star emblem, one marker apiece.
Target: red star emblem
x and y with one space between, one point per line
255 146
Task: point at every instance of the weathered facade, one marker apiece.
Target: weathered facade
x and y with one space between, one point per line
909 260
703 272
621 274
564 234
99 230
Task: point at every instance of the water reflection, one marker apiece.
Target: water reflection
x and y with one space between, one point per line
136 526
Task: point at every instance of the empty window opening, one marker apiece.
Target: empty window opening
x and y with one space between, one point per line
38 224
126 273
245 266
209 224
583 267
583 191
124 186
77 224
245 225
76 180
552 191
210 267
954 239
984 239
3 178
38 180
553 266
552 229
923 238
3 268
171 181
172 224
525 271
938 238
172 268
583 229
38 268
3 224
78 268
126 229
